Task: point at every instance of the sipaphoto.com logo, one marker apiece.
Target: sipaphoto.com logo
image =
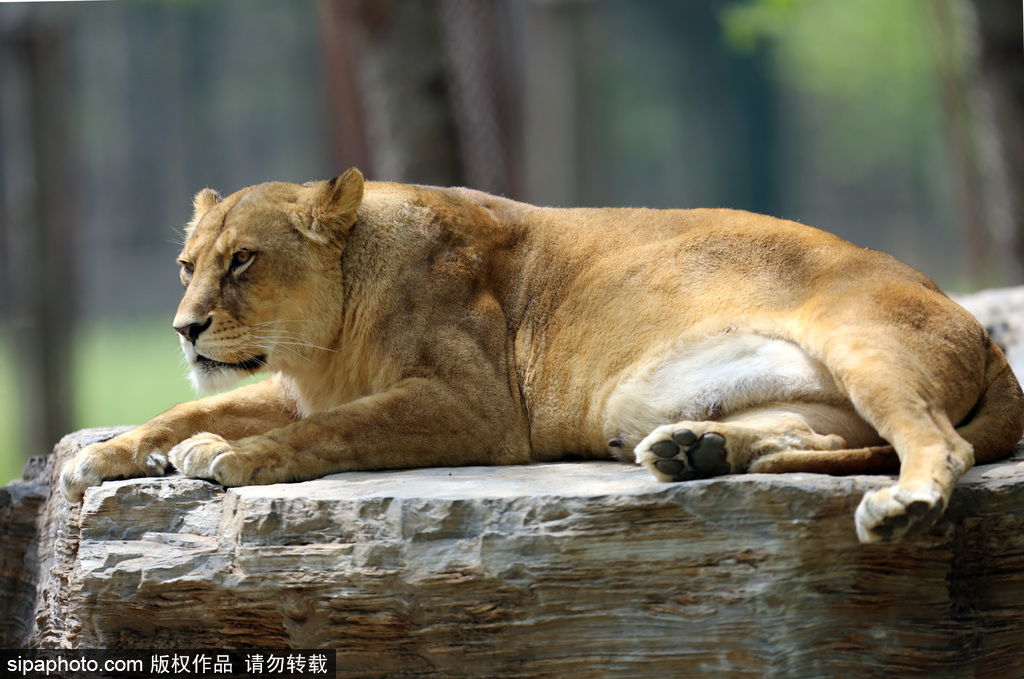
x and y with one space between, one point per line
61 665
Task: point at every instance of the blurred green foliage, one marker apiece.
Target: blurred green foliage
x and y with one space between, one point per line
872 63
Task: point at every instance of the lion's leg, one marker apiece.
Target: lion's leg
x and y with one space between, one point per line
755 439
933 456
417 423
143 451
913 385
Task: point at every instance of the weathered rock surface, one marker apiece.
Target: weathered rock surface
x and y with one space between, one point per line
1001 311
555 570
20 504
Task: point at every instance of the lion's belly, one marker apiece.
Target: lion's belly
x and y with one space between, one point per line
706 377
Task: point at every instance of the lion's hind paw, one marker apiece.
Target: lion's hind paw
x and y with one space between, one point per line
675 453
892 513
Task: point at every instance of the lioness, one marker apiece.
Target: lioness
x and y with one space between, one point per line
410 326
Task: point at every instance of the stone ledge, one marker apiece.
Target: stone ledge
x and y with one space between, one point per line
561 570
1001 311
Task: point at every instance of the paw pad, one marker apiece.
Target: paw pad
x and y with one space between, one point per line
673 468
687 456
708 455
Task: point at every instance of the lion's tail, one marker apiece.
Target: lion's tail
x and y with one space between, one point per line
994 426
996 423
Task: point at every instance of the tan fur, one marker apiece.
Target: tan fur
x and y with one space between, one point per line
410 326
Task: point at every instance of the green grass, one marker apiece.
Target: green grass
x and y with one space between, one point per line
124 373
10 462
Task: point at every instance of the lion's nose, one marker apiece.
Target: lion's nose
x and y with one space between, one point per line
192 331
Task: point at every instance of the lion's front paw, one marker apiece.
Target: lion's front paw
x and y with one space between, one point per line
203 456
894 513
229 463
105 461
678 453
78 474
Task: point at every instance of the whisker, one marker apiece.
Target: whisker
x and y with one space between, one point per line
288 345
287 338
288 320
293 352
180 233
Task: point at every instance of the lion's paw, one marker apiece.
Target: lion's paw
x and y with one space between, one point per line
155 463
676 453
77 475
106 461
229 463
204 456
893 513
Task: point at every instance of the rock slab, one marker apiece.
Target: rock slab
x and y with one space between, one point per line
555 570
1001 311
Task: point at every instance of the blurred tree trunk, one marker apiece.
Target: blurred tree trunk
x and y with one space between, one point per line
421 91
999 112
38 219
384 63
482 94
551 103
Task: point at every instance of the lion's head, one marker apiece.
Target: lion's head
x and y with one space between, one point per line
260 271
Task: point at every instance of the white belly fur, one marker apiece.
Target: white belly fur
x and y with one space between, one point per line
708 376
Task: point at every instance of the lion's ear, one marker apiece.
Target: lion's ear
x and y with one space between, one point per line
332 205
201 204
204 200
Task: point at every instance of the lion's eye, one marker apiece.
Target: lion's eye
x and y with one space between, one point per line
241 260
186 272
